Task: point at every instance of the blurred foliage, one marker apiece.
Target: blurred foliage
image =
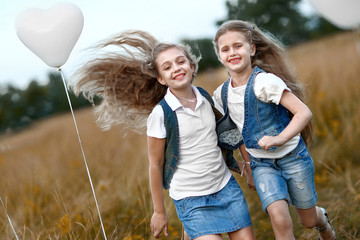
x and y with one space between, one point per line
204 48
282 18
18 108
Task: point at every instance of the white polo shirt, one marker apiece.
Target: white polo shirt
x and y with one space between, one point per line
201 169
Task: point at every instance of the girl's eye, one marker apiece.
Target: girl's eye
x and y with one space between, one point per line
225 50
181 60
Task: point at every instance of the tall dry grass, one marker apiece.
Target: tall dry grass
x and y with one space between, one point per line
44 183
330 69
46 187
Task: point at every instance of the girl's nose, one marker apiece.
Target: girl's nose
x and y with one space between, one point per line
176 68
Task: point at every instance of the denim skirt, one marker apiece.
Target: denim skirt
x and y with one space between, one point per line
221 212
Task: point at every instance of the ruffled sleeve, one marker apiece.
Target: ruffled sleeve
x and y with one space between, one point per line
217 99
269 87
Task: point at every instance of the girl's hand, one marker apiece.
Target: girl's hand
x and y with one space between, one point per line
247 174
269 141
159 222
301 117
250 180
246 167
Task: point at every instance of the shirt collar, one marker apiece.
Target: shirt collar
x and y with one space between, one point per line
174 103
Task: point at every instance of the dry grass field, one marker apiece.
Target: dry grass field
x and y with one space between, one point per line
47 194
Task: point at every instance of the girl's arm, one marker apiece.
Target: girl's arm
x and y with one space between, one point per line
302 116
159 221
246 161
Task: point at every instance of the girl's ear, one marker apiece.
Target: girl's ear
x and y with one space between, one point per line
192 69
253 50
161 81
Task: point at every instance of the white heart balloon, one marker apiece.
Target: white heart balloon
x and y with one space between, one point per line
51 34
344 14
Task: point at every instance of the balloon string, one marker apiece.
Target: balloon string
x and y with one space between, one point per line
7 215
82 150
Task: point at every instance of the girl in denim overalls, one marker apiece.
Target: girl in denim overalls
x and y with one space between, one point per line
152 80
264 99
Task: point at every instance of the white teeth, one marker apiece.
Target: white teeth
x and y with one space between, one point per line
177 77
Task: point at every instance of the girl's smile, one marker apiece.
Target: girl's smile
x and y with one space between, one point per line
234 60
175 70
235 52
179 76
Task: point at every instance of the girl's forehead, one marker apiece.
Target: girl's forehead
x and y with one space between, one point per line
232 36
170 54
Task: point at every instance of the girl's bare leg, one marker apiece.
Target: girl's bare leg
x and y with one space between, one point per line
242 234
314 217
210 237
185 235
281 220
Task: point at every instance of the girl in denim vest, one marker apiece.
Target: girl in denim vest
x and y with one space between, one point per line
264 99
152 80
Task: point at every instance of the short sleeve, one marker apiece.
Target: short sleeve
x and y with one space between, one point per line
155 123
269 87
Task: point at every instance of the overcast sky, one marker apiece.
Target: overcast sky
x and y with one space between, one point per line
168 20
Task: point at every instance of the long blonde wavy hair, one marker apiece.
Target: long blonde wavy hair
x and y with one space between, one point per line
271 56
125 81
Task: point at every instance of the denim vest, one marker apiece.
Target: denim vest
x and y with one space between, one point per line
260 118
172 141
228 133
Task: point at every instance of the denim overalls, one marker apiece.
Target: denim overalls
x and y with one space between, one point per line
172 140
289 178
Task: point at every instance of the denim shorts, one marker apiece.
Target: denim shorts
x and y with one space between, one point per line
290 178
220 212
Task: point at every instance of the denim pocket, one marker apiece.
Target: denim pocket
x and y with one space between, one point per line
253 162
180 206
303 153
267 132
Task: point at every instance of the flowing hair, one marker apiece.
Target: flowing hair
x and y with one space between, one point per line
270 55
125 81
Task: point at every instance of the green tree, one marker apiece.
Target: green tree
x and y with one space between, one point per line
57 98
12 107
204 47
56 93
18 108
282 18
36 102
319 27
